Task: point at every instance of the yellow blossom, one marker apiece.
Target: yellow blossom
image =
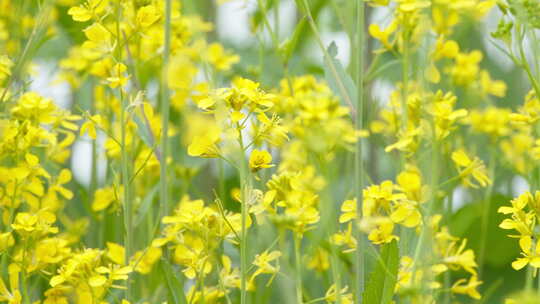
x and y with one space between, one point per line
260 159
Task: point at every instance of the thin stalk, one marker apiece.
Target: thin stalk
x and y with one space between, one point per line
336 272
245 186
525 64
359 263
447 275
405 84
485 214
165 107
25 288
426 232
298 264
128 212
124 162
529 278
266 22
327 58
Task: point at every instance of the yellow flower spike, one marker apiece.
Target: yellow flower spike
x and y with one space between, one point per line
237 116
144 260
332 294
219 58
31 159
409 6
88 10
97 34
117 77
470 169
466 69
445 49
530 256
116 253
320 260
379 229
25 222
488 86
97 281
348 209
205 145
89 126
263 262
406 213
345 238
147 15
229 276
444 19
492 121
181 72
383 35
64 177
80 13
463 286
260 159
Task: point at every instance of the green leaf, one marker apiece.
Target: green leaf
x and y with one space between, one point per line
288 47
146 204
337 78
381 69
467 223
382 281
174 284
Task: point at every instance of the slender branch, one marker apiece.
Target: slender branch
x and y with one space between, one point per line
358 155
165 111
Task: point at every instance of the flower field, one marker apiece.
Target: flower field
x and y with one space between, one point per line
269 151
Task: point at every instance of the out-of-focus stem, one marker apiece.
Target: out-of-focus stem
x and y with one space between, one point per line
485 214
128 213
245 192
358 155
165 111
298 264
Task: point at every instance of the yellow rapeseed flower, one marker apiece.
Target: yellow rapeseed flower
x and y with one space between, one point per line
260 159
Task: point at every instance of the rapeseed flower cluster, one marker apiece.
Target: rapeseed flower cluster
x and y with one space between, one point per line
213 180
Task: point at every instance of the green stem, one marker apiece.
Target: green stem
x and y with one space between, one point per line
485 214
359 263
298 264
26 296
165 107
529 278
525 64
266 22
245 188
405 84
336 272
128 212
327 57
124 160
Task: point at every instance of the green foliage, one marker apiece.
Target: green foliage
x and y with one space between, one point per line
382 281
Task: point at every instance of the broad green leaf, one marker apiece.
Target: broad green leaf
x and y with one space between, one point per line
467 223
339 81
382 281
380 69
174 284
